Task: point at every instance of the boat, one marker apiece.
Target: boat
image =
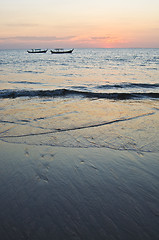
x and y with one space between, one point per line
37 51
61 51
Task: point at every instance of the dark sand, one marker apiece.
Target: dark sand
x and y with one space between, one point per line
74 193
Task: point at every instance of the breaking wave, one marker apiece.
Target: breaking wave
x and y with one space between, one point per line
73 93
129 85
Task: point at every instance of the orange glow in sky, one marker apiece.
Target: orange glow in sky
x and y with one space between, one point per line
79 24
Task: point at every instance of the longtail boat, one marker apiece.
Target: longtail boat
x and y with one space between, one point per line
37 51
61 51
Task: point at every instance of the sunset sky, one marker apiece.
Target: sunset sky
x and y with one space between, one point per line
79 24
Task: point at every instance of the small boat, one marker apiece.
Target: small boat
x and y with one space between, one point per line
61 51
37 51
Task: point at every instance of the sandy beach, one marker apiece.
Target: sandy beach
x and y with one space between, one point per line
79 149
69 193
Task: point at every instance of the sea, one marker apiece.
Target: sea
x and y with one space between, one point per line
79 145
110 95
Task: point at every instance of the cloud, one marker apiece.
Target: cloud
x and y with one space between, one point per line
100 38
37 38
21 25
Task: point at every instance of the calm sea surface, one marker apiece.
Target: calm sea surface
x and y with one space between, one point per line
91 70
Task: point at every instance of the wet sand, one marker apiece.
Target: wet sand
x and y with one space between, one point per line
59 193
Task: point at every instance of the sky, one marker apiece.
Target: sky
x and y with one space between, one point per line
79 24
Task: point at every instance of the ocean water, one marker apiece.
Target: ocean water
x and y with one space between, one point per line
90 98
79 145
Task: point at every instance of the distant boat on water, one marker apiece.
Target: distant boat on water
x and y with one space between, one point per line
61 51
37 51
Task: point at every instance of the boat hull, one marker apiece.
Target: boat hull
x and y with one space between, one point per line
61 51
37 51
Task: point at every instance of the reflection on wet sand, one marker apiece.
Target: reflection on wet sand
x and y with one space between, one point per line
82 123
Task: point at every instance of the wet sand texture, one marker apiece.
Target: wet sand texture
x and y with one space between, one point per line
64 193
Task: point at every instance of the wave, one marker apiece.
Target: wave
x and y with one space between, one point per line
73 93
129 85
23 82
